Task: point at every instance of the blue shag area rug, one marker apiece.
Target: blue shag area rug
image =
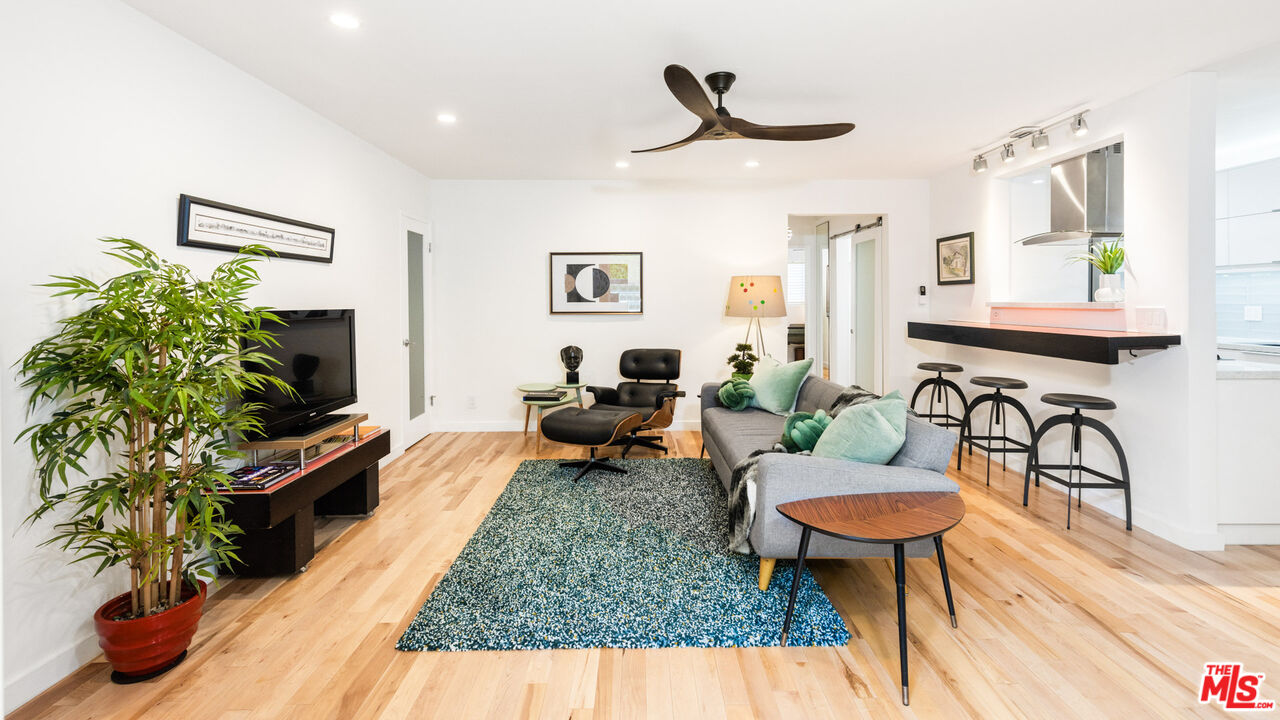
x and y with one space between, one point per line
625 561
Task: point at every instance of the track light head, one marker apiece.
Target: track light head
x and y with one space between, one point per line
1039 141
1078 125
980 164
1006 153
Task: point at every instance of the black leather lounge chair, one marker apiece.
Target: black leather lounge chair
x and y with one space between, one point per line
655 400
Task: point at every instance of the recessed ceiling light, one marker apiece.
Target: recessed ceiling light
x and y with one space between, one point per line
1038 181
752 163
446 118
345 21
622 164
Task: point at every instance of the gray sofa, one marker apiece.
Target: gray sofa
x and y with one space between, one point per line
728 437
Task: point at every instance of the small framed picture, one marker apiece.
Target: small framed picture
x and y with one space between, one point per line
215 225
955 260
602 283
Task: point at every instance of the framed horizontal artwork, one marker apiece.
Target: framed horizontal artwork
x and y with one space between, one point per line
603 283
215 225
955 260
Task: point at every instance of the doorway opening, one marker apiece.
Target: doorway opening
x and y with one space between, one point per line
416 236
835 286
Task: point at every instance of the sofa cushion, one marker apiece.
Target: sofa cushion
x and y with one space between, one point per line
777 385
872 432
817 394
927 446
738 434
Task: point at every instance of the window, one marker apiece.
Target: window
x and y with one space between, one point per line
795 275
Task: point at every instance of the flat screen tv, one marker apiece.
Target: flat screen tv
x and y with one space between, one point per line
317 358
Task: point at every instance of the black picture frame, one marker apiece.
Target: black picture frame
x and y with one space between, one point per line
287 238
557 262
959 245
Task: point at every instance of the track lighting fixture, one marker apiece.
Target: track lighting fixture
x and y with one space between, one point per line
1039 138
1079 126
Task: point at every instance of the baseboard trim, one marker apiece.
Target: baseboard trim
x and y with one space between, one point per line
1249 534
44 674
1112 503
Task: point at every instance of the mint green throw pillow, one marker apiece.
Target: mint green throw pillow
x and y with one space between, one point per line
871 432
777 385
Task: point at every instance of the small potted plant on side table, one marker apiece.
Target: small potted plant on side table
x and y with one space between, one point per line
743 361
147 374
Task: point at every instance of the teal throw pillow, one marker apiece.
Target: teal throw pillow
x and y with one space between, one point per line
735 394
777 385
872 432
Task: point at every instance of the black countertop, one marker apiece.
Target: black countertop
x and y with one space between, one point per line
1096 346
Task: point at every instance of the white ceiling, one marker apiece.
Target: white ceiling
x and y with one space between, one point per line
563 89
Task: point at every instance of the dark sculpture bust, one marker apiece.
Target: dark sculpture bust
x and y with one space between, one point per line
571 356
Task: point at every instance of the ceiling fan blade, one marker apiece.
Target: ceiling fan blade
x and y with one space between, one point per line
788 132
689 92
697 135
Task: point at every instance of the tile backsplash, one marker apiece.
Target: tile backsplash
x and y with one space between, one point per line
1239 293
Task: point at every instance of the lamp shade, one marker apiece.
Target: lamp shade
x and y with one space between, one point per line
755 296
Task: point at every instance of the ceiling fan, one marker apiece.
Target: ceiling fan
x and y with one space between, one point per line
718 124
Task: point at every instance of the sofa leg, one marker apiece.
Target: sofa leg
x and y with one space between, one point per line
766 572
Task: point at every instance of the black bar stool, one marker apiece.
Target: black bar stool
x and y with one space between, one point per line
999 401
938 387
1078 421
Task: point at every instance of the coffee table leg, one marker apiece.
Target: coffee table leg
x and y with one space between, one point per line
946 581
795 582
527 408
900 574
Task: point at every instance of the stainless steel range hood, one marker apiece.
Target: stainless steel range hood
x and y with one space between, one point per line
1086 199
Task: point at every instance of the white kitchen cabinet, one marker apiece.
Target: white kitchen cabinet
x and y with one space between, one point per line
1252 239
1222 237
1253 188
1248 455
1247 228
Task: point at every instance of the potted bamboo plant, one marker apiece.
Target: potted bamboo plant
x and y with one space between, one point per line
135 400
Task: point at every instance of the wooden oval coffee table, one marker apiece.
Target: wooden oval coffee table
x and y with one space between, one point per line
884 518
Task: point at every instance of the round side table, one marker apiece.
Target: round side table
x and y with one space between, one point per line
882 518
576 388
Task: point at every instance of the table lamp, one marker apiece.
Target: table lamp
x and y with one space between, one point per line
755 297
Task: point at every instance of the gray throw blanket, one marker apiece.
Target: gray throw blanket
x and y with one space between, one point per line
742 484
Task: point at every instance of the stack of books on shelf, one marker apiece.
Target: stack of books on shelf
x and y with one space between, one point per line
545 395
260 477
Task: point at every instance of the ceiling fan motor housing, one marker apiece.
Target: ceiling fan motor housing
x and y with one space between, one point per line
720 82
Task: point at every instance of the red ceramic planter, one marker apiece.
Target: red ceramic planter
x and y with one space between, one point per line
147 645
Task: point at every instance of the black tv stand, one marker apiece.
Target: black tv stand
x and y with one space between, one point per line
279 522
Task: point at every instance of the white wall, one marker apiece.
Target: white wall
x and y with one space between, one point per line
1165 417
492 243
108 117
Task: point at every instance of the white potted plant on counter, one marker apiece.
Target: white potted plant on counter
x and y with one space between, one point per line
1109 260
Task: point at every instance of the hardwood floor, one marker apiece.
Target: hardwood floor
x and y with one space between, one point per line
1091 622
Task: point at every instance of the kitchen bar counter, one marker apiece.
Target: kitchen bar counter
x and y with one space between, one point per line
1097 346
